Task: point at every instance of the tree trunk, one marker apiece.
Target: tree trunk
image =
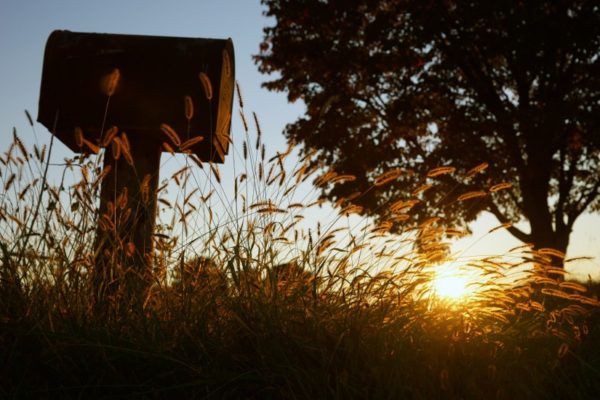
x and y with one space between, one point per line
550 239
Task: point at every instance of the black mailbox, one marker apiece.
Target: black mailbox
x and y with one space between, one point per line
154 76
157 90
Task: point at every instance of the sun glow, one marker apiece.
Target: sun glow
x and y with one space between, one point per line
453 287
454 283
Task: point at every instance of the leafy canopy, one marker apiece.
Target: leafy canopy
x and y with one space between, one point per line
422 84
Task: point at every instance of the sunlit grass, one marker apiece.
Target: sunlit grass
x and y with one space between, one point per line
249 295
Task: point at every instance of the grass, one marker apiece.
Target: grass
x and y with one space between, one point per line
249 299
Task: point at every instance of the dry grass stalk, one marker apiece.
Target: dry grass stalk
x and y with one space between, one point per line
360 278
110 82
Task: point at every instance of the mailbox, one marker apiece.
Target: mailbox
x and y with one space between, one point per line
154 76
156 89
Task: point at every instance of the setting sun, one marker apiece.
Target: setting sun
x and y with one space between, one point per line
453 282
450 286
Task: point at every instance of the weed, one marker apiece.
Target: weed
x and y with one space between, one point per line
247 298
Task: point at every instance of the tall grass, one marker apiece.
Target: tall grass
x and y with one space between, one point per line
250 297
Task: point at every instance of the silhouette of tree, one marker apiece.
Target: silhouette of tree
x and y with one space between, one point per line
422 84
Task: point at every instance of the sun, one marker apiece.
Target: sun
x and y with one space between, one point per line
451 287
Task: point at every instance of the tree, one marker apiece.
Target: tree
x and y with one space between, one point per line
422 84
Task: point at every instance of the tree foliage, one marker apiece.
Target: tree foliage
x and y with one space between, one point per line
422 84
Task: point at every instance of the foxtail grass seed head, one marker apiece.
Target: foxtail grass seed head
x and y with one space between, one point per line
168 148
20 146
555 293
215 171
325 178
110 210
103 174
130 249
43 153
243 118
477 169
197 161
37 153
574 286
165 202
500 186
110 82
171 134
421 189
191 142
206 85
552 252
109 136
125 143
282 176
189 108
91 146
271 209
472 195
387 177
563 350
126 153
9 181
537 306
24 192
239 94
78 136
555 271
257 124
505 225
29 119
343 179
403 205
115 147
440 171
351 209
353 196
123 198
400 217
543 280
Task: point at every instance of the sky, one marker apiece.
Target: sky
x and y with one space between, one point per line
26 24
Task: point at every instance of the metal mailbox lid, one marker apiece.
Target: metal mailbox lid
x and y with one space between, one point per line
156 74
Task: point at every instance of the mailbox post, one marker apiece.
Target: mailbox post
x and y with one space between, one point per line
131 94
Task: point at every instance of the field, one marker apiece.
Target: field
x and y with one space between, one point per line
249 297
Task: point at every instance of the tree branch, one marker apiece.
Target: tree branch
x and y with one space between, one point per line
565 183
516 232
585 200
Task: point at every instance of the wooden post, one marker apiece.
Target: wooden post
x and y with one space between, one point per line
128 205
